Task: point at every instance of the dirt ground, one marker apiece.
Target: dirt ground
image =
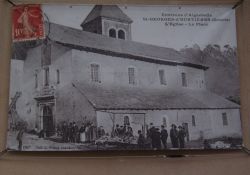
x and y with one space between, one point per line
34 143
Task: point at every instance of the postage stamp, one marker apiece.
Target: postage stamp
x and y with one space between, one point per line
28 23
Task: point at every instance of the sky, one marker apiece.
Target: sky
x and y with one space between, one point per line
156 32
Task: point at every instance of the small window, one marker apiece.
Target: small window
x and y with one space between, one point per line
46 54
36 80
193 121
121 34
224 119
126 120
184 79
164 121
112 33
95 72
46 76
162 77
131 75
57 76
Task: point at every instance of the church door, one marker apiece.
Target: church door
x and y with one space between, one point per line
48 123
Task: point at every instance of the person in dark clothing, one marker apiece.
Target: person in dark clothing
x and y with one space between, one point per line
87 132
75 133
181 137
41 134
122 131
99 134
82 133
100 131
141 140
151 129
82 128
91 132
117 131
151 133
174 136
70 129
64 132
206 144
164 136
156 139
20 139
129 132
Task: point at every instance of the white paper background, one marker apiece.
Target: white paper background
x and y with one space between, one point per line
221 33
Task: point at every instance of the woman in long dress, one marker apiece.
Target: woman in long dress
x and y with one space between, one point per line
82 134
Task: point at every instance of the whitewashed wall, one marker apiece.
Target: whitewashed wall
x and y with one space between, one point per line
16 76
234 124
208 123
26 105
114 70
195 77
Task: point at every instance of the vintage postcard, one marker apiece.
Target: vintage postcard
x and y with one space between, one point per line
117 77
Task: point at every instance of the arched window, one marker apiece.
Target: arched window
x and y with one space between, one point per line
126 120
121 34
112 33
164 121
193 121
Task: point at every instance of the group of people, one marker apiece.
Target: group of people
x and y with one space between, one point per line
177 136
123 130
70 132
157 139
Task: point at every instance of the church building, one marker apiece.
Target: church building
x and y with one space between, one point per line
99 74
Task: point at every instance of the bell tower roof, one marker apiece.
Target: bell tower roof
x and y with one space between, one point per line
107 11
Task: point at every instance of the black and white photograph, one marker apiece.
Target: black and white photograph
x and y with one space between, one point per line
125 77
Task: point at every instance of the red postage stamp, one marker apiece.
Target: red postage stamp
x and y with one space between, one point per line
27 23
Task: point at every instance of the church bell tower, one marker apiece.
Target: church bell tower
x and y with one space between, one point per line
108 20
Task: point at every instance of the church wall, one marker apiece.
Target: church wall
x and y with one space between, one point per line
208 123
16 76
114 71
32 66
233 128
69 103
26 104
61 60
195 77
72 106
74 64
202 125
